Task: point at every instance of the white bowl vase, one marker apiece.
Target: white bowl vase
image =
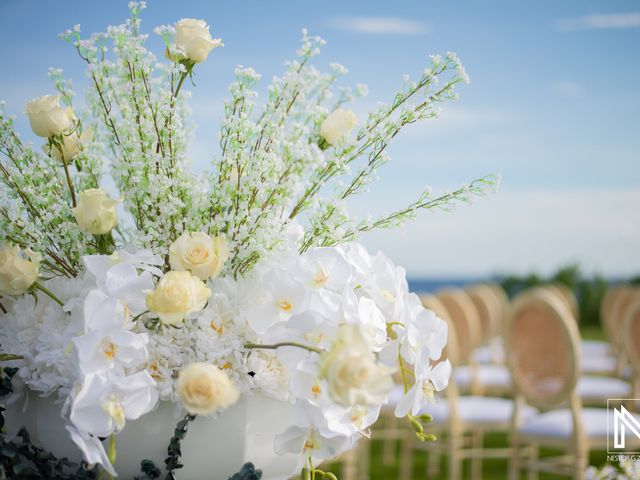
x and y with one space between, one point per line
214 448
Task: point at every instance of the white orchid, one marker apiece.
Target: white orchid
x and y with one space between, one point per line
91 448
102 350
428 380
311 434
105 401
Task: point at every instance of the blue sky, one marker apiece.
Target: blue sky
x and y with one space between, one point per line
553 106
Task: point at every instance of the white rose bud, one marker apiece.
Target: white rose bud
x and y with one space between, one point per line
351 370
338 125
193 40
71 145
47 117
176 295
204 388
17 272
198 253
96 212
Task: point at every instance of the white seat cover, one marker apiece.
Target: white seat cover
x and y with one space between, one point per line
478 410
594 387
591 348
487 375
558 423
597 364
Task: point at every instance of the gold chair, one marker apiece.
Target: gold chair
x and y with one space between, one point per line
543 354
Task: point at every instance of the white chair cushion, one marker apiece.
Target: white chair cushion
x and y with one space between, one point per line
487 375
597 364
594 348
592 387
558 423
477 410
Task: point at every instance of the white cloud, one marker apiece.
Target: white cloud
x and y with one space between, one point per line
568 89
380 25
600 21
518 232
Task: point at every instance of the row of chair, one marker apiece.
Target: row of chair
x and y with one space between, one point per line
514 364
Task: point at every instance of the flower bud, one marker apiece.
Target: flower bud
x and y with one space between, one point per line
193 40
47 117
338 125
198 253
17 272
204 388
176 295
96 212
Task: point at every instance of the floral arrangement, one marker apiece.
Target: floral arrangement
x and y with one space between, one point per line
197 289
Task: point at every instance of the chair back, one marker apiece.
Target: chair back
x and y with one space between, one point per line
568 298
542 349
464 319
631 335
488 309
623 300
606 310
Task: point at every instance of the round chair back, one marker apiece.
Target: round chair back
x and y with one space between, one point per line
542 345
619 305
464 319
488 310
451 350
632 335
569 298
606 310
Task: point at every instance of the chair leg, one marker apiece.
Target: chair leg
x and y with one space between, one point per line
514 462
476 461
406 456
455 462
363 461
433 463
532 473
389 443
580 467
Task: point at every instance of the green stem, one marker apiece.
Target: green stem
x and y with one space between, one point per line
112 452
46 291
66 172
284 344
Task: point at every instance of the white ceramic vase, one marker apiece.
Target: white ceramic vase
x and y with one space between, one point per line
214 448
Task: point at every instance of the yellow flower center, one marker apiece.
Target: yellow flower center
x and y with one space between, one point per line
388 296
428 389
115 411
320 278
316 390
109 350
285 305
216 328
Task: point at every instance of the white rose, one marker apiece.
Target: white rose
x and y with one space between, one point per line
198 253
176 295
338 125
204 388
193 40
96 212
351 370
47 117
71 145
17 273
